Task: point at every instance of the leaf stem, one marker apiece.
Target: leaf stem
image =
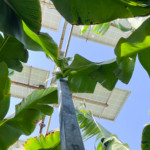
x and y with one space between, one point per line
4 42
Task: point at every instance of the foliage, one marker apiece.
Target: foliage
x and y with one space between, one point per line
43 42
4 90
127 50
12 52
84 74
11 72
122 28
101 29
90 128
50 142
84 29
96 12
145 143
15 12
24 22
27 115
20 25
29 11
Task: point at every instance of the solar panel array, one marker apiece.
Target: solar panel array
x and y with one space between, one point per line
29 76
50 17
110 38
115 100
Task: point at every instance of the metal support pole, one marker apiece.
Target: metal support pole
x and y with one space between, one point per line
89 101
63 35
68 42
70 134
48 124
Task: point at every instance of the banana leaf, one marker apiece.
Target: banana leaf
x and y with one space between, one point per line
4 90
88 12
127 49
27 115
83 74
50 142
13 53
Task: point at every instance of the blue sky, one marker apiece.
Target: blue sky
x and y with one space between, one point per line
134 114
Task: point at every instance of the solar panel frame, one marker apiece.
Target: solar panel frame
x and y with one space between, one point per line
50 17
112 110
29 73
110 38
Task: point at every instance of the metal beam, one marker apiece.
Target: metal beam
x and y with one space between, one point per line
68 42
26 85
70 134
63 35
48 124
74 97
89 101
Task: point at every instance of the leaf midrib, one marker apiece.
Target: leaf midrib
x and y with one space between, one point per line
4 42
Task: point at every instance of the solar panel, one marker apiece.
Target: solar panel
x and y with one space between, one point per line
110 38
17 145
50 17
115 100
29 76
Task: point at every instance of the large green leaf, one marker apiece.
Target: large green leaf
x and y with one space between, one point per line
104 75
13 12
145 144
50 142
87 12
29 11
11 16
125 69
77 73
136 43
4 90
84 74
5 102
27 115
4 81
10 23
42 41
38 99
13 52
89 126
